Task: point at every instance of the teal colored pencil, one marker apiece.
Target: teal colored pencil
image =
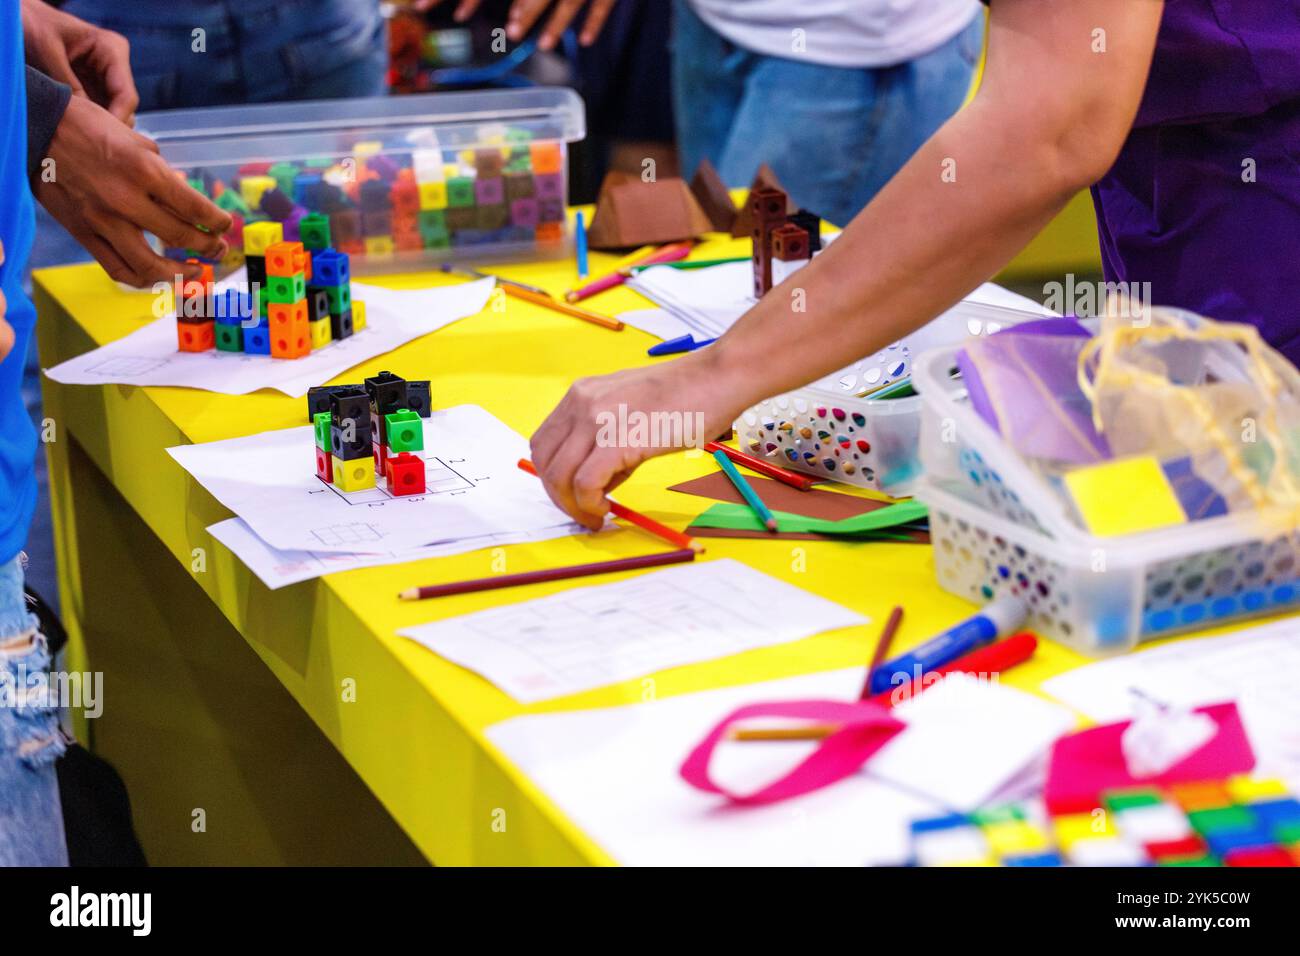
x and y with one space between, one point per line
751 497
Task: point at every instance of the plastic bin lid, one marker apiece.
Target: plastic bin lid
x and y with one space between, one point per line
287 131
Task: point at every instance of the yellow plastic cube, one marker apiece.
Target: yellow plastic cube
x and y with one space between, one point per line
320 333
379 247
259 235
356 474
1015 837
358 315
251 189
433 195
1248 789
1072 827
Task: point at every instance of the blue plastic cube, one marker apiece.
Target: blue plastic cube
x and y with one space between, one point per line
233 307
330 267
257 338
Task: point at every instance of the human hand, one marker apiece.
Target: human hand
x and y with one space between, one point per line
608 425
524 13
109 185
95 62
6 330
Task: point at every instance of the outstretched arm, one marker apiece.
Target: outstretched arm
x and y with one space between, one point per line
1049 119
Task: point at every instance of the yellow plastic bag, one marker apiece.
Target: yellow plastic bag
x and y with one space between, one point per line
1177 385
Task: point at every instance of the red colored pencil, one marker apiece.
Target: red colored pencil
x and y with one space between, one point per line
882 648
548 574
993 659
764 468
641 521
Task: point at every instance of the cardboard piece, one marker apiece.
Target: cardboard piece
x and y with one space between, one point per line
743 227
711 193
828 505
632 212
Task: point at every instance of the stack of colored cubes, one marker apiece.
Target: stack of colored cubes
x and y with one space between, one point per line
1240 821
507 188
299 297
375 429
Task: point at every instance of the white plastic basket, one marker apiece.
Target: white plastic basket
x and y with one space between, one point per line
998 528
827 430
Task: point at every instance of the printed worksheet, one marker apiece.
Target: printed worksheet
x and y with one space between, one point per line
474 488
394 317
591 636
277 569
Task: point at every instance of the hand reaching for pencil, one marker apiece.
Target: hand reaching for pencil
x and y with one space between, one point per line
608 425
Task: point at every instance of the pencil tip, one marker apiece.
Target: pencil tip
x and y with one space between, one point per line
410 595
570 297
771 525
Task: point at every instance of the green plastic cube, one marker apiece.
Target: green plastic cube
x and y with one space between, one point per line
405 431
1117 800
314 231
1224 818
340 297
460 192
286 289
321 421
284 175
433 226
232 202
230 338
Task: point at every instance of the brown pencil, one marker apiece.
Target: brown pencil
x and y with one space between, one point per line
882 648
549 574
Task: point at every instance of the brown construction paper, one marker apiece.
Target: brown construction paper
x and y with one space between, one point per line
914 537
632 212
814 503
711 193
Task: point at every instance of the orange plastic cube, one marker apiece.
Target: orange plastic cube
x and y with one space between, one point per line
549 232
196 336
290 330
546 157
285 259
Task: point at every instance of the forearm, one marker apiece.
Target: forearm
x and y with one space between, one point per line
1044 125
922 245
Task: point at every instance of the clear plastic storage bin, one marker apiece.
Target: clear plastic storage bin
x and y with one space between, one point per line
829 430
403 182
998 528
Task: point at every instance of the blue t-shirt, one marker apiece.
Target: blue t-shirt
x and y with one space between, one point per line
17 226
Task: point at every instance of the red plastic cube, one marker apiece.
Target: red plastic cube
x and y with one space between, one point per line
381 457
405 473
324 469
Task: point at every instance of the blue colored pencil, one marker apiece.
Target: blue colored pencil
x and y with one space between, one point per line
751 497
580 243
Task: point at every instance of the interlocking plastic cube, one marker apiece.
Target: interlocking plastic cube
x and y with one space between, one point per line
320 333
286 289
356 474
324 466
195 336
229 338
321 426
257 338
330 268
404 430
259 235
405 474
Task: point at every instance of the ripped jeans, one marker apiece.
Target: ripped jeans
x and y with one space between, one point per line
31 815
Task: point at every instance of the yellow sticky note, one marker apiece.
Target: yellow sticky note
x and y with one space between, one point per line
1124 496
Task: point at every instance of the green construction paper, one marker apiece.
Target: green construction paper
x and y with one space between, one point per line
742 518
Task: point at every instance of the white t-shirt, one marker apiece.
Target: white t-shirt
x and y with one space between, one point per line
849 33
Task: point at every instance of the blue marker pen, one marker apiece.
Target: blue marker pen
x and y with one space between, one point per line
580 244
1002 617
683 343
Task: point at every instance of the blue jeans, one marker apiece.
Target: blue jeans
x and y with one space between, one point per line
31 815
833 136
251 50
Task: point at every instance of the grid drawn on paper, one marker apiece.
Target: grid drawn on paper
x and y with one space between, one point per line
654 621
439 478
357 532
126 365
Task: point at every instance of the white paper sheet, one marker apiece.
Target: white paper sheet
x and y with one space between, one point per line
591 636
277 569
475 488
149 355
614 772
968 740
707 302
1258 667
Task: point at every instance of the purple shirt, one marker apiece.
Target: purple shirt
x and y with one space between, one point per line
1178 209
